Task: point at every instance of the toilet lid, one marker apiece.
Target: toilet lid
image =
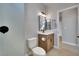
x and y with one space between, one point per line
39 51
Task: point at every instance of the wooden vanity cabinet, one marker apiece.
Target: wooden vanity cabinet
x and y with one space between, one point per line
46 44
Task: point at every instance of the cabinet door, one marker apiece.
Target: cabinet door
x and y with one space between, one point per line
42 43
50 41
48 44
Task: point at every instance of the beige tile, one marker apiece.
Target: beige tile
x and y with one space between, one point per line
66 50
61 52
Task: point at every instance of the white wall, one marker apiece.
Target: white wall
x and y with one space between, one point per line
69 21
13 42
78 28
31 17
54 7
78 21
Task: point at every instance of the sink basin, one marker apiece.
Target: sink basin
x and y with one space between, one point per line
47 32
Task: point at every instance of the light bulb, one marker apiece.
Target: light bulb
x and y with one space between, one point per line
41 14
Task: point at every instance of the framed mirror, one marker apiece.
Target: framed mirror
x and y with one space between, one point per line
44 23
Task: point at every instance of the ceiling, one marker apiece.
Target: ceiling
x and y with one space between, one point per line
59 6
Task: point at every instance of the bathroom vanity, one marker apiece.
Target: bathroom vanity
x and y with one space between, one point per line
45 34
46 40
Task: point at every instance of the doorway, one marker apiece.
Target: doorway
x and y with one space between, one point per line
68 28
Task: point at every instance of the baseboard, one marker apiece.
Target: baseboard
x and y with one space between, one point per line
72 44
56 47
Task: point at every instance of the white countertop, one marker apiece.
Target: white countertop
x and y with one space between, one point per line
47 32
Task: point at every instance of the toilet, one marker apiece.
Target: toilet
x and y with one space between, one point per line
33 46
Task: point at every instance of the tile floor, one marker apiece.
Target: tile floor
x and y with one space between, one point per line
61 52
66 50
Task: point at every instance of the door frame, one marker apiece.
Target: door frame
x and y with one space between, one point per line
58 25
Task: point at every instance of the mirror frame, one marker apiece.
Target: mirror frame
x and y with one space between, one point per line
48 26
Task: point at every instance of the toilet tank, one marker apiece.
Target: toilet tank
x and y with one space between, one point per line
32 42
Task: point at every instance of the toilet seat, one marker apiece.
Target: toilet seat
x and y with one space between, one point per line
39 51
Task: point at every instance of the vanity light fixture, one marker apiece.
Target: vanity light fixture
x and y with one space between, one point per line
47 16
42 14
